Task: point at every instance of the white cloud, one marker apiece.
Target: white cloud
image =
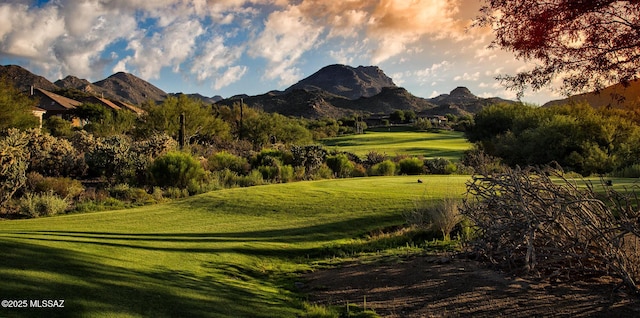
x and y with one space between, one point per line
231 75
172 47
287 35
468 77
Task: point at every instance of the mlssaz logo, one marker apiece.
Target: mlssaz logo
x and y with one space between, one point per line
46 303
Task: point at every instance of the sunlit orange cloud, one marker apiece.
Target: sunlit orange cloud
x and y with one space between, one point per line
394 24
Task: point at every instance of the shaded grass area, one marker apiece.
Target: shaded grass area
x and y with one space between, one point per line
445 144
231 253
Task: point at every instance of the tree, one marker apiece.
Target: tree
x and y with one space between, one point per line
15 108
200 123
587 44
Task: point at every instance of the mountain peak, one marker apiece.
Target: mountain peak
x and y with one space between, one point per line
461 91
346 81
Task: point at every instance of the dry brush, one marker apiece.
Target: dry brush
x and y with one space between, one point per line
538 221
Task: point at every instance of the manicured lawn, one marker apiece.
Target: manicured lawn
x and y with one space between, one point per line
230 253
445 144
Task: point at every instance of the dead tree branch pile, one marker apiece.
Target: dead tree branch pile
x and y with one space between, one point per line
540 222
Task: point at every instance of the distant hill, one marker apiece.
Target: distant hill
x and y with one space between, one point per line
131 88
461 102
333 91
204 99
616 96
22 79
346 81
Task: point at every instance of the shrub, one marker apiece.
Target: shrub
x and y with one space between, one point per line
35 205
438 214
341 166
286 173
440 166
110 158
64 187
51 156
632 171
224 160
375 158
411 166
385 168
176 169
14 161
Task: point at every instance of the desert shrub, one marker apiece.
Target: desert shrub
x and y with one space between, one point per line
359 171
373 158
254 178
126 193
341 166
287 173
411 166
310 157
176 169
176 193
14 161
111 158
47 204
537 221
270 168
54 157
440 166
223 160
323 172
385 168
441 215
64 187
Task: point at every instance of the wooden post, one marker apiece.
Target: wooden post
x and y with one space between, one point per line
181 134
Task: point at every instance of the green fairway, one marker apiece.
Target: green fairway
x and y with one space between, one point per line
445 144
230 253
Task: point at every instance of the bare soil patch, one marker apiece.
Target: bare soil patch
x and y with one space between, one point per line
436 286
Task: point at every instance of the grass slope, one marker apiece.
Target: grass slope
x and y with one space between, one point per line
228 253
445 144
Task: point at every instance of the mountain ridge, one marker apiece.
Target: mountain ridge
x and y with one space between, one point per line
333 91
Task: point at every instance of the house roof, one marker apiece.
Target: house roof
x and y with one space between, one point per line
55 101
137 110
102 101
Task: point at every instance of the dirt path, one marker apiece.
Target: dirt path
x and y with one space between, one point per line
431 286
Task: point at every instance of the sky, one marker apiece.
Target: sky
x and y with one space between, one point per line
230 47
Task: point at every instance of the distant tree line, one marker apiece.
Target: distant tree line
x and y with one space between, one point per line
577 137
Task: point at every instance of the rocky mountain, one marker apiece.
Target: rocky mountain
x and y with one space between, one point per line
22 79
333 91
461 102
346 81
131 88
616 96
204 99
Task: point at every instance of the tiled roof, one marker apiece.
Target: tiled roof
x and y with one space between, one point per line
102 101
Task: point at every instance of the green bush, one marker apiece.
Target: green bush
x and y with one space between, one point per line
440 166
224 160
287 173
51 156
176 169
341 166
64 187
35 205
385 168
411 166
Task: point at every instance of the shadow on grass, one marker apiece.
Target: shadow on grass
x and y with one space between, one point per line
91 288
